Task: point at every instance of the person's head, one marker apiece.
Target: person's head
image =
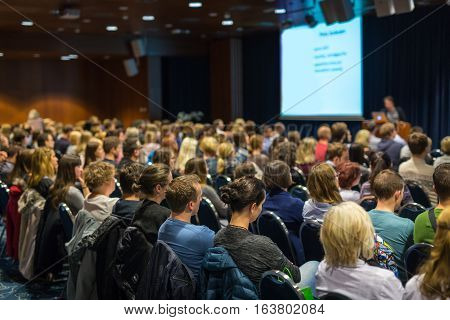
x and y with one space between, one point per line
94 151
362 137
246 169
306 151
279 128
187 151
218 124
99 177
388 187
131 148
356 153
436 269
69 171
418 144
111 145
129 175
339 132
184 195
324 133
245 196
349 175
287 152
21 167
294 137
347 234
165 156
43 164
387 131
268 131
445 145
75 137
337 153
256 143
12 153
379 161
441 181
277 175
240 139
323 184
208 146
389 103
153 182
45 139
198 167
225 151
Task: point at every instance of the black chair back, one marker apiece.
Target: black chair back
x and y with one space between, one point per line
299 192
300 172
4 196
65 214
209 180
276 285
208 216
368 204
436 153
411 211
221 180
310 239
117 193
418 194
415 256
253 227
334 296
270 225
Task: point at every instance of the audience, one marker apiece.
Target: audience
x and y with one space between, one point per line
127 205
388 145
388 187
349 177
188 241
94 151
209 147
323 186
187 151
225 159
247 169
340 133
131 150
112 148
433 280
425 223
287 152
445 149
337 154
305 157
347 236
63 143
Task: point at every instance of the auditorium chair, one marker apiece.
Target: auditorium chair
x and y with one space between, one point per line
221 180
207 216
310 239
66 219
299 192
276 285
415 256
368 204
117 193
411 211
418 194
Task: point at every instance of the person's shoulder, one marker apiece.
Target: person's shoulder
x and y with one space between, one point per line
421 218
412 288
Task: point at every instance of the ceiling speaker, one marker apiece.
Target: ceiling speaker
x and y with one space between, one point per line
130 67
384 8
403 6
138 48
337 10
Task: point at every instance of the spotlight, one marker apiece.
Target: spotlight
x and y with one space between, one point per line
310 20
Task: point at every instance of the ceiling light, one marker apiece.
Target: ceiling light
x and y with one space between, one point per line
280 11
1 54
27 23
148 18
227 22
195 4
123 8
73 56
212 14
65 58
112 28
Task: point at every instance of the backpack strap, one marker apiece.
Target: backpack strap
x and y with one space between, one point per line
432 218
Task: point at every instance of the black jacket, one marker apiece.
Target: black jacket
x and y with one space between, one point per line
166 277
401 113
135 247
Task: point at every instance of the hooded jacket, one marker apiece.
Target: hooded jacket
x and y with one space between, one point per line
100 207
313 210
392 148
220 278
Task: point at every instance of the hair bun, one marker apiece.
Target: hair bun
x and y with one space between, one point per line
227 194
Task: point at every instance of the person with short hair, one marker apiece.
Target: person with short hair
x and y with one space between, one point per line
127 205
433 279
347 236
94 151
248 169
337 154
388 144
396 231
340 132
445 149
45 139
349 176
424 228
208 146
416 169
323 186
323 136
112 148
131 149
188 241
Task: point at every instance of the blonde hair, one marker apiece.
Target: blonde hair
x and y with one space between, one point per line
347 234
85 137
41 166
224 152
322 184
306 151
362 137
208 145
386 130
187 151
445 145
97 173
74 137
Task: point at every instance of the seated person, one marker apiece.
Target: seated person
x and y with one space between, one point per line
433 280
396 231
323 187
424 230
112 147
389 145
188 241
347 236
323 136
198 167
337 154
249 169
208 146
128 176
255 254
277 178
416 169
445 149
349 176
287 152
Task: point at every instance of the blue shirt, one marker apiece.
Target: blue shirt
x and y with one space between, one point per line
396 231
188 241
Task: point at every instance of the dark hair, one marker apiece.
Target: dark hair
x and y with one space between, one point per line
245 169
110 143
239 139
348 172
89 153
356 153
287 152
379 161
152 175
197 166
65 178
339 132
294 137
390 98
42 138
277 175
418 143
129 175
386 183
129 145
335 149
162 155
21 167
181 191
243 192
441 180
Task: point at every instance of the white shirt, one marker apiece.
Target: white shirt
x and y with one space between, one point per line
412 289
350 195
441 160
416 169
363 282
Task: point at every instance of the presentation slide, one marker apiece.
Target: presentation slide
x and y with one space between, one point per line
321 71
